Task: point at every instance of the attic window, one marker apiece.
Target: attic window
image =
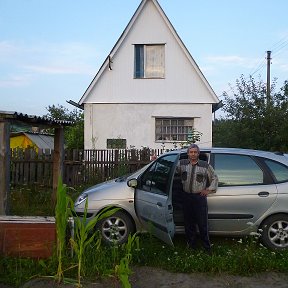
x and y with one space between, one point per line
149 61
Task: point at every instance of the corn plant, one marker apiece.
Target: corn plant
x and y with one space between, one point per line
61 215
83 235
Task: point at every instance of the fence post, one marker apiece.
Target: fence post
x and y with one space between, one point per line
58 159
5 166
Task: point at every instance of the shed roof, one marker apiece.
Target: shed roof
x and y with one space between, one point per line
42 141
14 116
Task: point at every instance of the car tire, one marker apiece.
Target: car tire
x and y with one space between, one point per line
116 228
274 232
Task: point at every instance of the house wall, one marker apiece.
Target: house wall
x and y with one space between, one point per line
118 106
182 82
136 123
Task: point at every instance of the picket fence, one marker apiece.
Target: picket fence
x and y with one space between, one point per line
80 166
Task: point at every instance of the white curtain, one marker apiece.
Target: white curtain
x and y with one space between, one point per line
155 61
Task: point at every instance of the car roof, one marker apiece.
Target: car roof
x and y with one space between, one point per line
278 156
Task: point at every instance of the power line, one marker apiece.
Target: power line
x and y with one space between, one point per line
280 49
279 43
259 65
276 48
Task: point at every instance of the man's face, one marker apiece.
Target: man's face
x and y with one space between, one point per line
193 154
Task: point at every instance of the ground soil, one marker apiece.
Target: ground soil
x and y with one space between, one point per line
147 277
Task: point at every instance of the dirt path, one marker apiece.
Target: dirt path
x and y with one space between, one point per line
147 277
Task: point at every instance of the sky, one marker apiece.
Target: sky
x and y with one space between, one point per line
50 50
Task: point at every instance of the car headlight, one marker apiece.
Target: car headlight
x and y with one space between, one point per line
81 199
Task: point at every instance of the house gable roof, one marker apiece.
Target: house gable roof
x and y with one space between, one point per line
107 63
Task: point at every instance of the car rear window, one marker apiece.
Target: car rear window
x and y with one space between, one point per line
234 170
279 170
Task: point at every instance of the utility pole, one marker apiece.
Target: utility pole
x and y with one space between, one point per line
268 76
268 104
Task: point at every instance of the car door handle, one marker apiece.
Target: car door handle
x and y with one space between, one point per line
159 204
263 194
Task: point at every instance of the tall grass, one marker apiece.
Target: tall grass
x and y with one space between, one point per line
31 201
230 256
122 270
239 256
35 200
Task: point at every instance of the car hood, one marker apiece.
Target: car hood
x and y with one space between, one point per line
115 189
100 186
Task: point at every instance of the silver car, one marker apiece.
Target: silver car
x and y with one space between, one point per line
252 196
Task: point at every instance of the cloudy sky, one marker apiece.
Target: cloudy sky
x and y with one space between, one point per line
50 50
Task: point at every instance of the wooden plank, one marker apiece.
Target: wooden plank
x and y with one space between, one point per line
58 159
5 166
39 165
32 168
26 166
48 156
33 240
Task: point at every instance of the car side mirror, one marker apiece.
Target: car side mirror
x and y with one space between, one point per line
132 183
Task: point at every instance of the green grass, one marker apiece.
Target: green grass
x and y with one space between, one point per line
230 255
36 200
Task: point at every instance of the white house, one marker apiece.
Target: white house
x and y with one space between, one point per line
149 90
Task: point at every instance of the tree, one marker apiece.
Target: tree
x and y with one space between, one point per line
224 133
252 121
194 136
74 135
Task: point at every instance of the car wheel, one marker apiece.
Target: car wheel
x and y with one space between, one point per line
274 232
116 228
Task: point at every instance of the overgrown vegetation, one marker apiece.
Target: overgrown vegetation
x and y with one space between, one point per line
35 200
233 256
71 264
253 119
74 135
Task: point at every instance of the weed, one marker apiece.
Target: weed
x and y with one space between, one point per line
92 260
122 270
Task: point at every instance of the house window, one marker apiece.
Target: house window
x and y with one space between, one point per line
116 143
149 61
173 129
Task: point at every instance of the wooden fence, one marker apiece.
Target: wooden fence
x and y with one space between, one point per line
80 166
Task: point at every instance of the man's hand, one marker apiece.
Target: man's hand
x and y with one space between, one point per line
204 192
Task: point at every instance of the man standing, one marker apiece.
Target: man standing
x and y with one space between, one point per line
198 180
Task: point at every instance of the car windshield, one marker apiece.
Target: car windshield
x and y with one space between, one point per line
133 175
122 178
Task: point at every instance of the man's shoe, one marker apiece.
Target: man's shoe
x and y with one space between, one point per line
208 251
191 247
